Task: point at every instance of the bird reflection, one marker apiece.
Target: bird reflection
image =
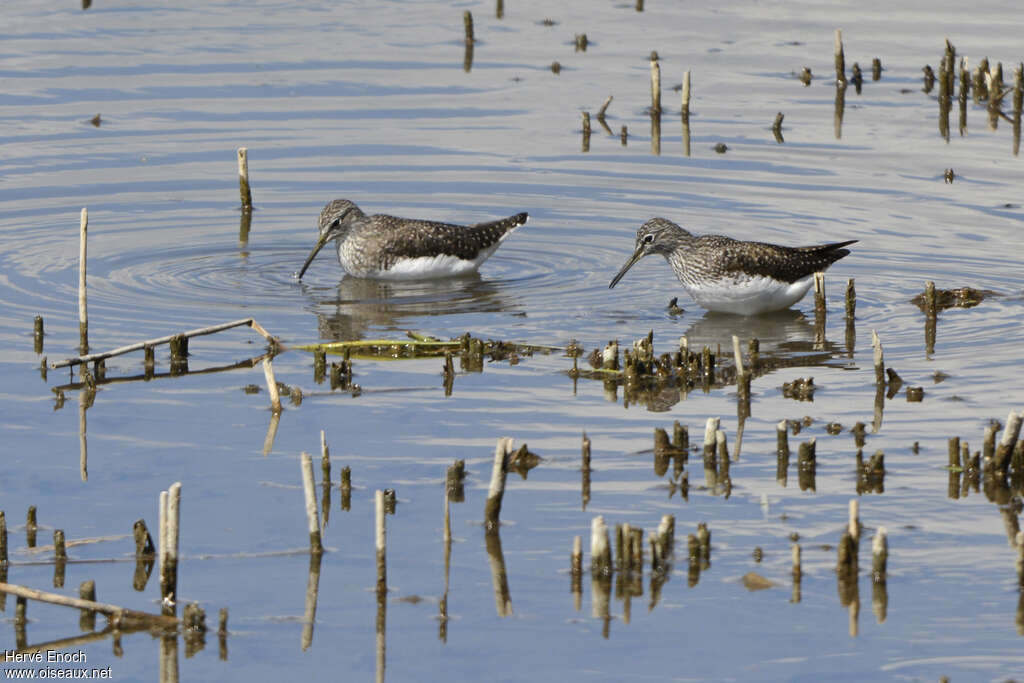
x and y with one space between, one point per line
357 305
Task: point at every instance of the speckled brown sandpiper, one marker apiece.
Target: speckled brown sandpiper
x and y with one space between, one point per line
388 247
731 276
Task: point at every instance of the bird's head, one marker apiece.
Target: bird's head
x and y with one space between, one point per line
656 236
334 222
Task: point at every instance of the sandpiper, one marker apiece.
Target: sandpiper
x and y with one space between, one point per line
732 276
387 247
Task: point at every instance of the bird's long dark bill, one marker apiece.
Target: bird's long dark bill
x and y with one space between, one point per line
321 241
637 255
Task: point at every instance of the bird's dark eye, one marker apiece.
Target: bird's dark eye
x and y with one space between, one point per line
648 238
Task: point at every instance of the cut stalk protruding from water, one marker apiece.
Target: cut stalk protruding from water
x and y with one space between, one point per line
777 128
782 452
144 547
31 526
448 374
275 396
624 135
879 554
346 487
244 191
853 523
380 537
604 108
586 131
60 551
819 296
467 24
710 427
655 84
857 78
840 59
576 572
704 544
737 356
807 465
851 300
685 95
1006 444
312 515
87 618
876 69
83 311
600 549
170 517
37 334
492 508
878 358
325 459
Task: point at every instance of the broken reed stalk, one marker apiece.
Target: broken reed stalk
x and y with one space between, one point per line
381 544
604 108
492 508
819 294
655 84
31 526
243 179
60 551
782 439
851 299
275 395
738 356
586 131
600 549
853 525
83 313
312 516
87 591
116 612
840 59
879 363
37 334
710 427
879 554
1009 439
576 559
170 506
166 340
325 459
467 23
686 95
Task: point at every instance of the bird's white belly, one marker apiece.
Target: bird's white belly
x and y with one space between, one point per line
749 296
422 267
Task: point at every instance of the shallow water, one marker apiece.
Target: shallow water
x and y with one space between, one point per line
373 103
